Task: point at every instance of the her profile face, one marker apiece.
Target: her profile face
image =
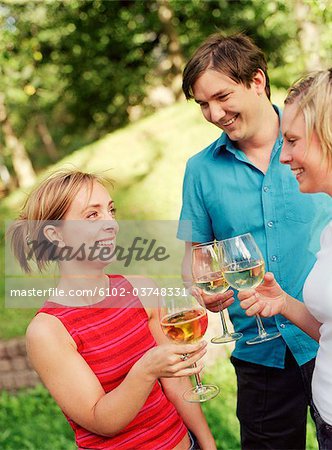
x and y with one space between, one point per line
90 222
304 158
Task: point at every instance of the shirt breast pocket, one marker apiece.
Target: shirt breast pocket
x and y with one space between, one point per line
299 207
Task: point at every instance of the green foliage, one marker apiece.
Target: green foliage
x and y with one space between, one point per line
81 66
221 411
265 21
13 322
32 421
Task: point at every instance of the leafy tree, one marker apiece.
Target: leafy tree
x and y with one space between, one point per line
72 70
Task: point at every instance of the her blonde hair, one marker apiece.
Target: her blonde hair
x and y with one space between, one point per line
314 96
48 202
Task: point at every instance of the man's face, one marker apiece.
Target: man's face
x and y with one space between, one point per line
231 106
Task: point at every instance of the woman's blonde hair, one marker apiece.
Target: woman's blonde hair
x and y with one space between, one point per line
47 203
314 96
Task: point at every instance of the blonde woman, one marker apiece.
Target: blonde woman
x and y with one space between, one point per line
104 359
307 149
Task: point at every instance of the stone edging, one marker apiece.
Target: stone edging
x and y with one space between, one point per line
15 369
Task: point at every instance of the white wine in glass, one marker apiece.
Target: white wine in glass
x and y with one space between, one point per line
246 277
244 268
183 319
208 276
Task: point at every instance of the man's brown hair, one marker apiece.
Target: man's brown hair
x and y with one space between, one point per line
236 56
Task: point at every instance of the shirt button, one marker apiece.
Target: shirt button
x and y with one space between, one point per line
270 224
282 325
274 258
266 189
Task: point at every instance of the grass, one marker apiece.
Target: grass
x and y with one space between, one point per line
221 411
145 159
31 420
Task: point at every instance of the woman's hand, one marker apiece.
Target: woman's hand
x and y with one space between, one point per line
267 300
171 360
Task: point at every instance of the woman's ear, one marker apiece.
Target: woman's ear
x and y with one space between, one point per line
259 82
53 234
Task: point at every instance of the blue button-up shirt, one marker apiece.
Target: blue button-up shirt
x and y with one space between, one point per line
225 195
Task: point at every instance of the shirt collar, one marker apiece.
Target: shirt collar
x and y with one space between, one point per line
224 143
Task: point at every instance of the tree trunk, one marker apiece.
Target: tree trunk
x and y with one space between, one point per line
309 36
46 138
6 182
21 162
175 58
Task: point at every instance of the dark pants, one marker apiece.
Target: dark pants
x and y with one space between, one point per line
324 432
193 441
272 404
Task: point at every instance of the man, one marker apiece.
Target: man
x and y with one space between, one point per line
237 185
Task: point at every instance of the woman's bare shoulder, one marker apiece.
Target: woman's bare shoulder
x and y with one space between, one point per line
45 329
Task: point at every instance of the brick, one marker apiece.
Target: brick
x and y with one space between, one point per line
19 363
2 350
7 380
21 379
28 363
5 365
15 368
12 348
21 347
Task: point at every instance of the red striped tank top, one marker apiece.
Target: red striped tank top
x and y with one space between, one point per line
111 336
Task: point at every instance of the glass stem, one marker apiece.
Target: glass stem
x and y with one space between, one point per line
261 329
223 322
199 385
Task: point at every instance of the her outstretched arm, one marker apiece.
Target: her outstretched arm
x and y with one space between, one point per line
269 299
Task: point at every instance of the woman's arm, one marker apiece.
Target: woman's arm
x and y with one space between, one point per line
174 388
191 413
76 388
298 313
269 299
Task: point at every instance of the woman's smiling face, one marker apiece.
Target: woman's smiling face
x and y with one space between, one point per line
90 220
304 158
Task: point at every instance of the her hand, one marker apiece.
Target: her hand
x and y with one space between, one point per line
267 300
172 360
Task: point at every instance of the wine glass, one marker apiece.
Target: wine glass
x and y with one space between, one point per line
207 275
244 268
183 319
